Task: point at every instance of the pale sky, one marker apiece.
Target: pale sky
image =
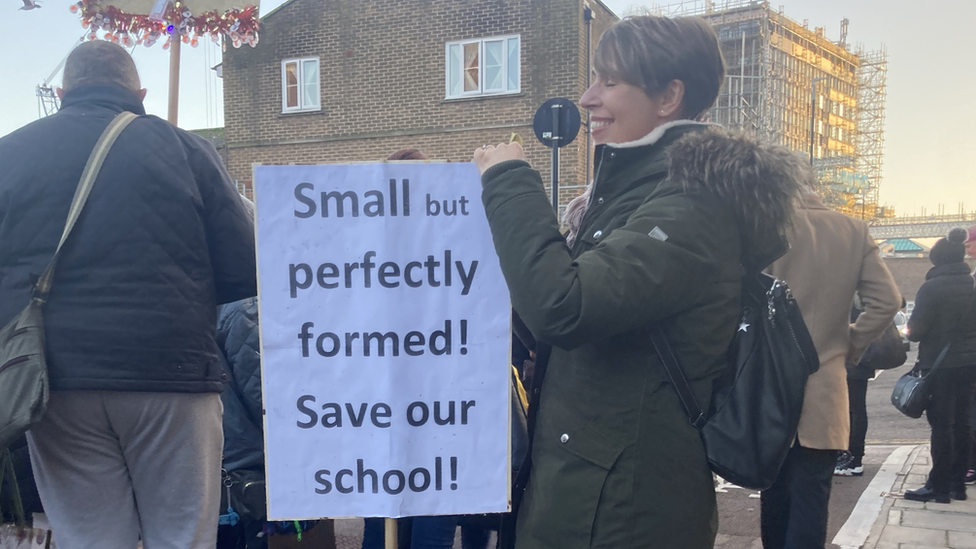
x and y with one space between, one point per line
931 113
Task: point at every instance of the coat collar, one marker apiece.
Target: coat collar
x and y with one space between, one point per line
949 269
115 98
811 201
657 133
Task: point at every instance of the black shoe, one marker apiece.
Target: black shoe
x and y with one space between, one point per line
926 494
846 465
970 476
850 468
959 495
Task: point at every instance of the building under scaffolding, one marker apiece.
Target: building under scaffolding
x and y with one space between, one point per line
792 86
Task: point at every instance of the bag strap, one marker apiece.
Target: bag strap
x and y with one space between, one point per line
8 477
677 376
88 176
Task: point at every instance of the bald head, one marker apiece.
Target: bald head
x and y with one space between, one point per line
102 63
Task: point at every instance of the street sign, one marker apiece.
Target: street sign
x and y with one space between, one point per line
556 124
556 121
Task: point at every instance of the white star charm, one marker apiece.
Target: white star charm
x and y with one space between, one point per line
744 327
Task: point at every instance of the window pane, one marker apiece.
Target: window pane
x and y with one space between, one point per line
513 64
493 65
454 70
291 85
310 81
471 65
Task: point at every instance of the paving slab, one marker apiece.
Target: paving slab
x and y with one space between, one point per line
918 536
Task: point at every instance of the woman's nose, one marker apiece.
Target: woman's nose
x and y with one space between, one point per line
590 98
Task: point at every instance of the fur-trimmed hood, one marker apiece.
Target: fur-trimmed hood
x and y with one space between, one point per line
762 182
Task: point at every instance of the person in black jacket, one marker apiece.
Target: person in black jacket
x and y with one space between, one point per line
131 441
943 315
239 342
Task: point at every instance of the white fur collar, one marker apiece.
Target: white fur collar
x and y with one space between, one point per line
656 134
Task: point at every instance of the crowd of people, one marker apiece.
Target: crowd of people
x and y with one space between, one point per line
154 427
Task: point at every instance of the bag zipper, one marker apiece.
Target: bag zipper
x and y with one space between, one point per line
14 361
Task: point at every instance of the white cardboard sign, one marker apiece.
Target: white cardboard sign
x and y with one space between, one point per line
385 328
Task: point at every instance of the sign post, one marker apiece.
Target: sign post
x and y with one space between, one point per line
556 124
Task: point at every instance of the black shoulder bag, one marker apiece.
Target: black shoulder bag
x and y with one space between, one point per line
756 405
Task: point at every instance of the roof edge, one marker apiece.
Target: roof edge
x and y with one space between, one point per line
275 9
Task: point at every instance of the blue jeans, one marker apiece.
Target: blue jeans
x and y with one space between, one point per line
413 533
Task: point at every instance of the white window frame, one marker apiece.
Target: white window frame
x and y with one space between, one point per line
480 92
301 107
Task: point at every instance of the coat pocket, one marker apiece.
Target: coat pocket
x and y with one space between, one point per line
571 462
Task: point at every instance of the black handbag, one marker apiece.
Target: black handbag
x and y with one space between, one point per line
913 391
756 405
247 492
23 366
886 352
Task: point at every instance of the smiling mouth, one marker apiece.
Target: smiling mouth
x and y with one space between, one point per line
596 125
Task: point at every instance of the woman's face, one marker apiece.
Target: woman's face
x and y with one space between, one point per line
620 112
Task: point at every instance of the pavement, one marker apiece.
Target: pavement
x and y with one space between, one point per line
904 524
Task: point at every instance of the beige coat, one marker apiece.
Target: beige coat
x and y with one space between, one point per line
831 257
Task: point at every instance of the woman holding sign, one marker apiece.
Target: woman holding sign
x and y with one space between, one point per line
677 212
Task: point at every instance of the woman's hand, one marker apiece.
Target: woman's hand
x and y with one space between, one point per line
488 156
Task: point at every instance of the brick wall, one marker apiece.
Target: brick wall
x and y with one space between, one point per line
909 273
382 73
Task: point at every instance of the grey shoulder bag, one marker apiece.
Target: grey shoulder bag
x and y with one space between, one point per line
23 368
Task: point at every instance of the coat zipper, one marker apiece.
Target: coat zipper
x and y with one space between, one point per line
589 204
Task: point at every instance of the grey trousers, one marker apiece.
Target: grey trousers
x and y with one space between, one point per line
112 467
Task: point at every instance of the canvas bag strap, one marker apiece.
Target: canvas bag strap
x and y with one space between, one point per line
88 177
677 376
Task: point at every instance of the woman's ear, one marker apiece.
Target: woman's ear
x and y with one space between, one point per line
672 99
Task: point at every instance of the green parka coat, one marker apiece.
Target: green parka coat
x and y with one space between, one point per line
615 462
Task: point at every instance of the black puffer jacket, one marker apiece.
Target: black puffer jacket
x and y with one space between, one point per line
163 239
240 346
942 314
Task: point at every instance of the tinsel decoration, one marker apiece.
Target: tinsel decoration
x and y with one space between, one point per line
129 29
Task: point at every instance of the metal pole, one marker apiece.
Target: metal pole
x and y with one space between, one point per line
813 113
555 157
588 18
174 77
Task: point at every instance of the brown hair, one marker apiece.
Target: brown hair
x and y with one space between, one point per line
100 62
649 52
407 154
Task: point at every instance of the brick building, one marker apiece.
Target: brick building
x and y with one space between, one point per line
355 80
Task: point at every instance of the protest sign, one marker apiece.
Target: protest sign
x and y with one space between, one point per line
385 329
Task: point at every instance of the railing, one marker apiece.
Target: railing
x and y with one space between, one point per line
919 226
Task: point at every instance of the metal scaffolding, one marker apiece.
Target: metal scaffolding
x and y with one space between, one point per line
47 100
872 76
789 85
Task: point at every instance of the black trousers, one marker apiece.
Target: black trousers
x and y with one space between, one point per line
858 391
794 508
948 414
